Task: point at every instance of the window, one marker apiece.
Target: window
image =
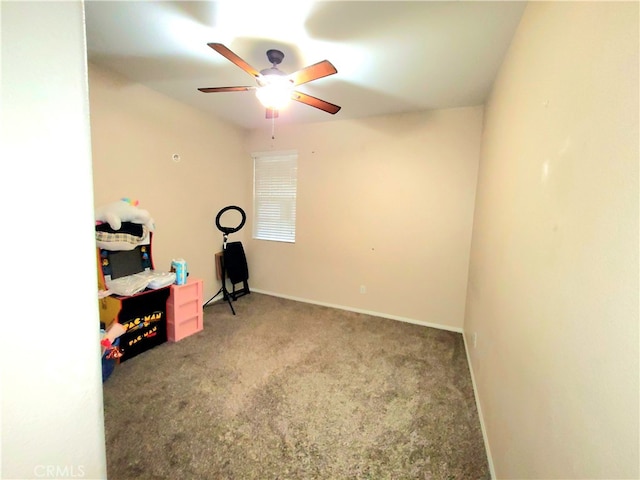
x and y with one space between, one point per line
274 196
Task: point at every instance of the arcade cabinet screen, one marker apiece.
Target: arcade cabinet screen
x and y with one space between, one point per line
125 263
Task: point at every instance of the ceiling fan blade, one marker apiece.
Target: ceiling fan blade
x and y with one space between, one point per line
313 72
271 113
229 55
315 102
226 89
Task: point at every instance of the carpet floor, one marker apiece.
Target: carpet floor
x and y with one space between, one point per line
290 390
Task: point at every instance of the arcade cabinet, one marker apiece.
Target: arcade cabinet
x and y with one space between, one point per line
143 314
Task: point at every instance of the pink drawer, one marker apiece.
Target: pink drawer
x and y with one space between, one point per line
192 290
184 310
183 328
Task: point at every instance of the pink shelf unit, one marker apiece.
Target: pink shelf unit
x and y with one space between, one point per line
184 310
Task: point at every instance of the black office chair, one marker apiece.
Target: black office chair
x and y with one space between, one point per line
235 266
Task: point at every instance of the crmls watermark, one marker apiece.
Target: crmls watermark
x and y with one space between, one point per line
59 471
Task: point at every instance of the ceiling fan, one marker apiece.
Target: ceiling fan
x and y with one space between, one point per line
274 87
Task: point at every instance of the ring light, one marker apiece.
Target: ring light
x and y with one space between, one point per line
228 230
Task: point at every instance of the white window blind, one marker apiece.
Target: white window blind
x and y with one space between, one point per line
275 178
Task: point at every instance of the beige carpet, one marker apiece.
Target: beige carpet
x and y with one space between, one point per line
288 390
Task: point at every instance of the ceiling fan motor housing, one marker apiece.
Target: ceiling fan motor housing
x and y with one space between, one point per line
272 71
275 56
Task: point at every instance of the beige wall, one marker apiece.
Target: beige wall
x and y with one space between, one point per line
135 132
553 287
52 419
386 203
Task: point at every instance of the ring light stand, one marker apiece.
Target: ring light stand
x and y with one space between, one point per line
225 234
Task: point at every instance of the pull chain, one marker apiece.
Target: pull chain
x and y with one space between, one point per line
273 127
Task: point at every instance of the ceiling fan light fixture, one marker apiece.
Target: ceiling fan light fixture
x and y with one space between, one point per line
276 92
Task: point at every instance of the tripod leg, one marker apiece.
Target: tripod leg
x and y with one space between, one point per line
225 296
225 293
208 301
230 305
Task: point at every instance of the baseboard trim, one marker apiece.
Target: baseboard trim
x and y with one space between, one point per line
487 448
359 310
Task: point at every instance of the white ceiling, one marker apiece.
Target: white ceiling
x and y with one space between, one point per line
391 56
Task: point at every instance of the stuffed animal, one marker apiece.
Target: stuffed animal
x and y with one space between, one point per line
123 211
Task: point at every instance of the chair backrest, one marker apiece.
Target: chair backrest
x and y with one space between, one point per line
235 262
